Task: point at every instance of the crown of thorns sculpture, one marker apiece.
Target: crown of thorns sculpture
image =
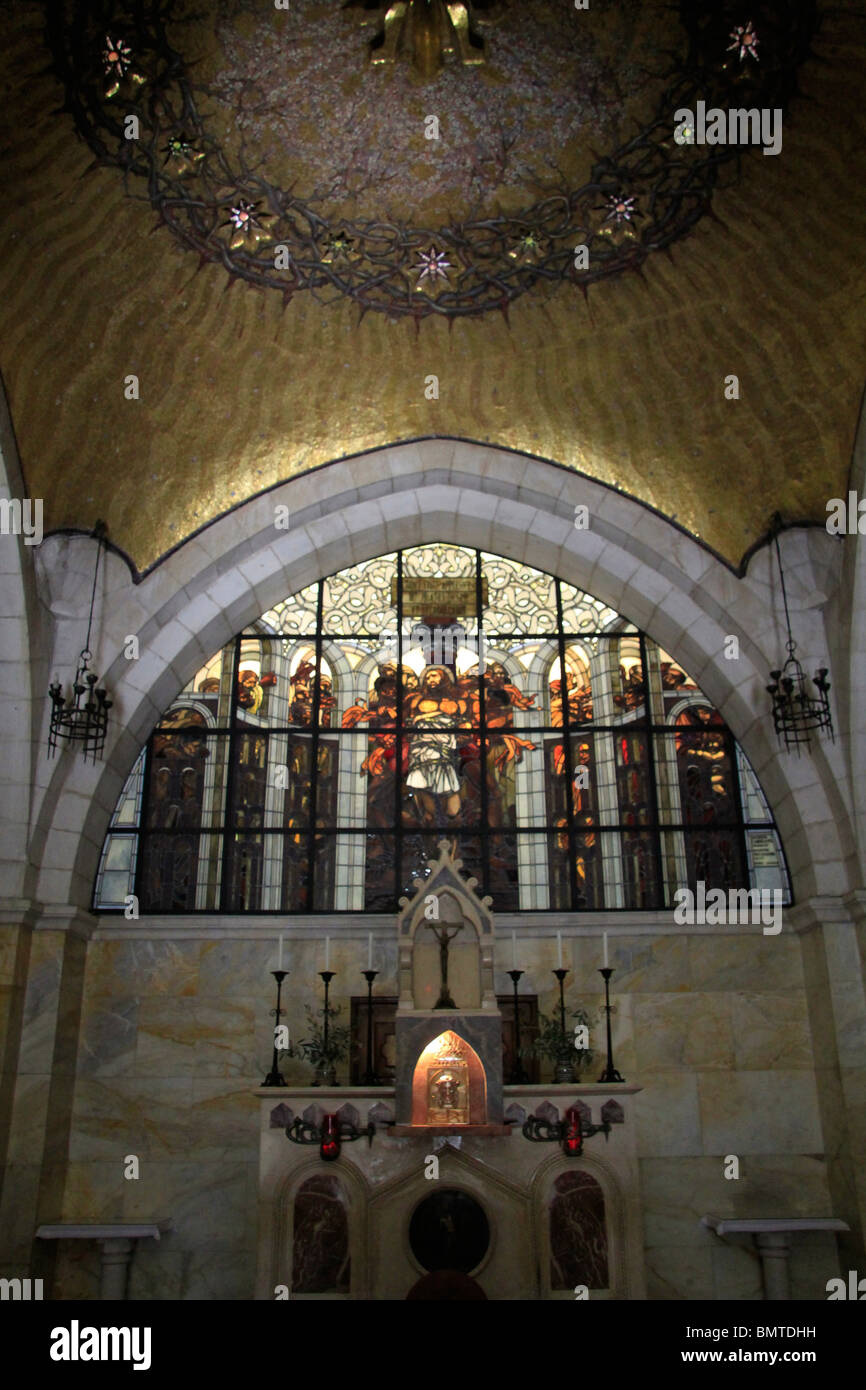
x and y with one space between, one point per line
115 61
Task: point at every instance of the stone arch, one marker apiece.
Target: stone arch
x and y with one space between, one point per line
278 1221
321 1265
475 1080
23 644
622 1214
631 558
575 1193
506 1206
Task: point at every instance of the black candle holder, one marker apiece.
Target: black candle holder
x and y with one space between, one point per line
610 1073
560 975
326 976
370 1077
274 1076
518 1076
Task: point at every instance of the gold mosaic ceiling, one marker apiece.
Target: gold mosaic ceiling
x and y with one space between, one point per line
238 393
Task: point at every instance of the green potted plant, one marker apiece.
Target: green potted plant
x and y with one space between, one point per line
327 1044
560 1048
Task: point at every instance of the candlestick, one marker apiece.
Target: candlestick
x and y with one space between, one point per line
610 1072
604 938
370 951
274 1076
560 975
514 952
280 960
518 1075
370 1077
326 976
559 949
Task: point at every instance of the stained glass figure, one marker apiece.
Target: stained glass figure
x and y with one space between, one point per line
313 763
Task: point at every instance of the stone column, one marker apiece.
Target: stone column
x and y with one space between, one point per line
772 1236
116 1252
116 1241
832 932
774 1248
40 1083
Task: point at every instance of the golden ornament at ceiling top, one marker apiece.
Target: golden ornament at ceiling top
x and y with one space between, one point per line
429 32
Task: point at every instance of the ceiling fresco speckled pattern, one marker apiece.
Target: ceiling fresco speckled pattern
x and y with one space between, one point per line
269 146
238 394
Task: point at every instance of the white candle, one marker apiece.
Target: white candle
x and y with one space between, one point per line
559 949
280 961
514 950
327 953
604 938
370 951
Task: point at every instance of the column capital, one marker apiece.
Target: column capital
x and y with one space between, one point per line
855 901
19 912
819 912
68 917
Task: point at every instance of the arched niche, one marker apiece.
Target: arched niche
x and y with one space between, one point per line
622 1217
448 1083
321 1256
464 957
445 898
280 1233
577 1232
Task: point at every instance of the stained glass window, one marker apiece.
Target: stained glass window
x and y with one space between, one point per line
315 762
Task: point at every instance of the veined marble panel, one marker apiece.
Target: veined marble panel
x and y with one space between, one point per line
147 1116
201 1037
240 968
737 1271
27 1135
212 1204
654 965
108 1037
760 1112
677 1192
679 1272
96 1191
745 961
683 1032
223 1121
154 967
770 1031
667 1114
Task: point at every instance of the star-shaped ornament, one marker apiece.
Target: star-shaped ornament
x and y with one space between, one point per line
117 65
527 250
620 209
617 225
432 271
744 41
248 225
182 155
339 249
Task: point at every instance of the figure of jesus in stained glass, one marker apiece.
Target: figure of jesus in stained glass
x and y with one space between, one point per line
439 705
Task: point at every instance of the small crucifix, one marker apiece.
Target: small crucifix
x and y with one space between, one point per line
444 934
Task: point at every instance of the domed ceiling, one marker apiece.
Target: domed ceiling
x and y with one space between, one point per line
300 233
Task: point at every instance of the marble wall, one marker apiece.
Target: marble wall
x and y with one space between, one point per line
175 1037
